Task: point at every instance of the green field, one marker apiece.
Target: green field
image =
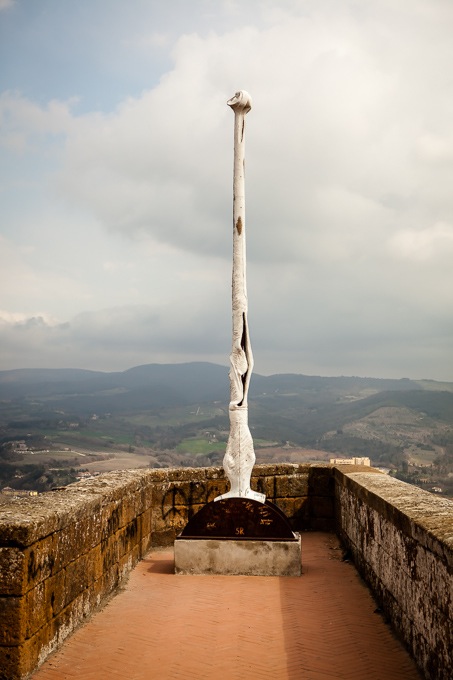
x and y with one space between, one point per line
174 417
200 447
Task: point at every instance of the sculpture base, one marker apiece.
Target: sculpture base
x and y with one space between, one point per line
238 536
238 557
253 495
239 518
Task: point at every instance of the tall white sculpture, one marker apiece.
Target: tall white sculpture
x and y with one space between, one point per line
239 456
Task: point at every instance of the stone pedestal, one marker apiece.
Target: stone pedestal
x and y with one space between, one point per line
238 536
238 557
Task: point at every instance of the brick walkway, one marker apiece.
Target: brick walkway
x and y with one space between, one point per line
319 626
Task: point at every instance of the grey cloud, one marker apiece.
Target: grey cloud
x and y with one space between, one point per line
323 146
348 191
115 338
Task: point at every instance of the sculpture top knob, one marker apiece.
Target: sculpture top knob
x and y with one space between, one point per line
241 101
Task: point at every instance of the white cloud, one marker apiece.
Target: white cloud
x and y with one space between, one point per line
35 288
435 148
349 202
324 141
432 243
21 120
14 318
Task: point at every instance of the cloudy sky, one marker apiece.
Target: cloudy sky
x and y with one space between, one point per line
116 149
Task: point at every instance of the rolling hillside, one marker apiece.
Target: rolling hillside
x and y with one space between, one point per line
178 414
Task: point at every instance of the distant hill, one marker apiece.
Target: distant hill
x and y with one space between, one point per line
287 406
187 382
183 408
80 392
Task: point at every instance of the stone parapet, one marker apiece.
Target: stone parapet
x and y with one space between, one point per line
303 491
61 554
401 540
64 552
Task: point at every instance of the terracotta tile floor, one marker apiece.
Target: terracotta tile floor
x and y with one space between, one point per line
319 626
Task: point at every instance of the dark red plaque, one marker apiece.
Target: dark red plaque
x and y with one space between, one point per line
239 518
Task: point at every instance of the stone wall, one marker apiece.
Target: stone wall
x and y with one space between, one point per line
61 554
401 540
64 552
304 492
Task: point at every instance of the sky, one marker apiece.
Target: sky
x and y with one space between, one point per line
116 170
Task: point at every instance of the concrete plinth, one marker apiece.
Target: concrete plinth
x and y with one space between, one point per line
238 557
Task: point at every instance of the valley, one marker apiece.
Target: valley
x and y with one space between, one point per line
59 426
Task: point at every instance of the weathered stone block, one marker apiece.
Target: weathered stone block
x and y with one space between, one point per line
40 561
12 663
215 473
18 661
264 484
109 553
145 545
145 520
322 506
128 562
321 480
197 492
303 468
276 469
96 557
68 619
170 516
109 581
12 620
169 494
38 607
164 537
215 488
435 575
231 557
286 505
79 575
128 537
291 486
68 544
111 518
13 580
189 494
56 592
185 474
300 519
25 523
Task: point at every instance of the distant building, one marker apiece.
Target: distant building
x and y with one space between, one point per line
9 491
17 445
351 461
